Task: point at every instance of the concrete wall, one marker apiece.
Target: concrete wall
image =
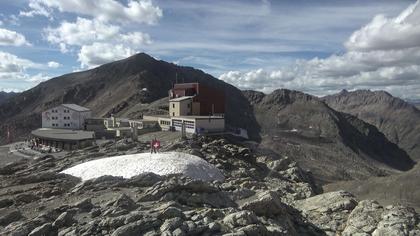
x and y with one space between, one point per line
147 130
150 118
210 125
95 124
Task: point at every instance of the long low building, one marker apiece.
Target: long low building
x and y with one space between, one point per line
191 124
64 138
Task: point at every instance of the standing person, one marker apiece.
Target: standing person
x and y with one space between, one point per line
152 144
157 143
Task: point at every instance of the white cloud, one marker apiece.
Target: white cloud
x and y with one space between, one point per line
12 38
10 63
385 55
136 39
384 33
100 53
14 72
37 8
38 78
83 31
98 42
139 11
53 64
63 48
8 90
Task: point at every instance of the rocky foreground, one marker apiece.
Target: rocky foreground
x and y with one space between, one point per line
261 195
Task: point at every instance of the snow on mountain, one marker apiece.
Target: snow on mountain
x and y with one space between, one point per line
128 166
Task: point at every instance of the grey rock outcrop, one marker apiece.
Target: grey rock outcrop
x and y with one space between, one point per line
328 211
261 195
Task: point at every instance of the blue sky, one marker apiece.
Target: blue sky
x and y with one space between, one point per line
315 46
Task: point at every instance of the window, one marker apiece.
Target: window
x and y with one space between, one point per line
164 122
189 105
173 105
173 113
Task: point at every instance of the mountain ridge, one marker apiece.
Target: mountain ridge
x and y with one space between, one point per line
396 118
5 95
331 144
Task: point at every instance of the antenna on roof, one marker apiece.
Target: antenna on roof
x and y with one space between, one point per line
176 77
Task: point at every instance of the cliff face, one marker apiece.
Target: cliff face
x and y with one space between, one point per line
397 119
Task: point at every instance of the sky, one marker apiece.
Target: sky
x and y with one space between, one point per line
315 46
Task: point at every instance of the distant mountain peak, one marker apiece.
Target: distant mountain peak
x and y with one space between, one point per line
343 91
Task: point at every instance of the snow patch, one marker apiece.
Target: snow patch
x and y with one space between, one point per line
128 166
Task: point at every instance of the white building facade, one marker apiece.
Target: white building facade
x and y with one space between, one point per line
66 116
191 124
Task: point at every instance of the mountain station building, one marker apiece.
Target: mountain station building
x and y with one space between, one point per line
66 116
193 108
194 99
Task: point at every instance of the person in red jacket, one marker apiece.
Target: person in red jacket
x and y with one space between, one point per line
154 146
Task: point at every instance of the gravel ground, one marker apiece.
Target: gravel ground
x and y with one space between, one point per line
6 157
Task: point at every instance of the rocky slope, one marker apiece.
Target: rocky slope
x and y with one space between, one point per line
126 87
397 119
331 144
400 188
261 195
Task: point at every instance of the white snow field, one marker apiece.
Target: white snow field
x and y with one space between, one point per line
166 163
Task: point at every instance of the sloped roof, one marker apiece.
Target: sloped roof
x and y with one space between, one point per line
180 98
75 107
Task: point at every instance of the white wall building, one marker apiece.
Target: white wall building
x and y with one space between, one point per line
66 116
192 124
